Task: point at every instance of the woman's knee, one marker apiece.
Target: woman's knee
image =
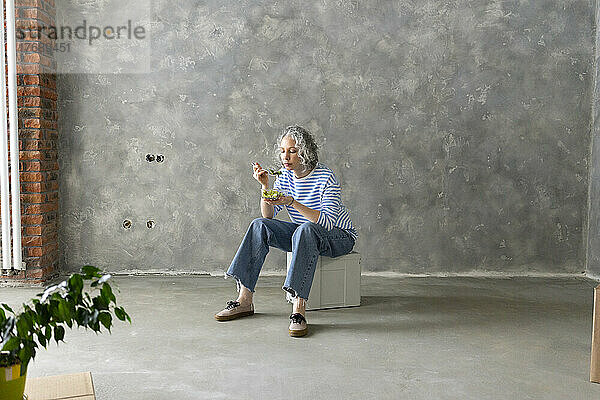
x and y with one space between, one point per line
307 228
259 221
259 224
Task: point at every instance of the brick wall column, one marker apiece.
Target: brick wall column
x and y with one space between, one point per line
38 138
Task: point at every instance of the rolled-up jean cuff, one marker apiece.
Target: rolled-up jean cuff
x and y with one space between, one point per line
290 294
238 281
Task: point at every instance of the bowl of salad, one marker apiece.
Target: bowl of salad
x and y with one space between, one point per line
271 194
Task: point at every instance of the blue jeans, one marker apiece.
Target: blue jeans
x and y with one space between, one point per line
306 242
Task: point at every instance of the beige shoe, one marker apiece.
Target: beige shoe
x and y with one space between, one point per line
234 310
298 326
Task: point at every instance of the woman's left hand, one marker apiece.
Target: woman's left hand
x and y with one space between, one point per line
282 201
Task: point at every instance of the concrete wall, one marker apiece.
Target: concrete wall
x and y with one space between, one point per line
458 129
593 230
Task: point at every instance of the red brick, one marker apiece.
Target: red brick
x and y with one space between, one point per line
31 165
49 93
48 124
31 145
36 273
39 251
45 60
31 155
32 198
31 101
48 80
52 196
30 112
30 133
31 176
25 13
49 227
31 58
49 165
34 251
37 102
33 209
32 241
41 208
39 275
32 219
32 123
29 91
31 187
31 80
33 230
29 69
40 165
33 15
40 262
29 3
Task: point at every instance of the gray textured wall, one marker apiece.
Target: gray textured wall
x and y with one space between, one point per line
458 129
593 230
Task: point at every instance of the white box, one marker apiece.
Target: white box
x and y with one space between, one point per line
336 282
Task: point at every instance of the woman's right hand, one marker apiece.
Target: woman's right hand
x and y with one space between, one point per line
261 175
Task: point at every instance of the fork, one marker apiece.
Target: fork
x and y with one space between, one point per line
270 171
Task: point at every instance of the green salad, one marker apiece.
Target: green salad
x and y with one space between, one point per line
271 194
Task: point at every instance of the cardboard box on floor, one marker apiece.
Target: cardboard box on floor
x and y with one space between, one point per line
72 387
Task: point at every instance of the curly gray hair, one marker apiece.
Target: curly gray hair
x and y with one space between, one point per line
305 143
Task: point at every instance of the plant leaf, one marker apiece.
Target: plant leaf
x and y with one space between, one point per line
23 326
81 316
7 328
106 319
120 313
43 311
100 303
123 313
92 318
59 333
7 308
41 339
76 284
25 354
90 271
107 293
12 344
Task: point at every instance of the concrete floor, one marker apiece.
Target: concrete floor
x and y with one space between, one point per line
412 338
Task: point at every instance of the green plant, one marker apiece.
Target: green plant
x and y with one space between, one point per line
58 307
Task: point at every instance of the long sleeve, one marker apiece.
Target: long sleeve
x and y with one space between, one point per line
330 204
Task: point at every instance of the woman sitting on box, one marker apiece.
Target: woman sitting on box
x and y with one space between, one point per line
320 225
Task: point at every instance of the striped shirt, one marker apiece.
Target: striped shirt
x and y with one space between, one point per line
320 191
